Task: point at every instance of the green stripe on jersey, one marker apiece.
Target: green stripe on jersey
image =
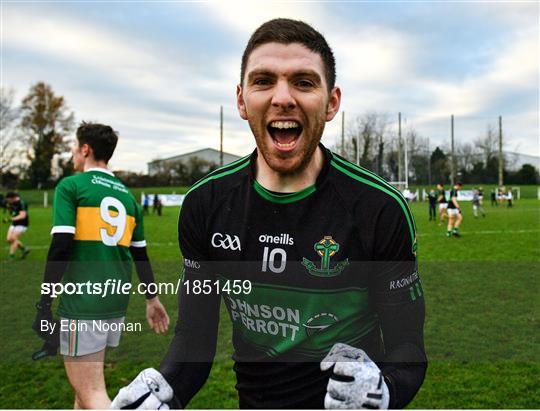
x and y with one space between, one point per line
381 181
222 172
405 209
282 198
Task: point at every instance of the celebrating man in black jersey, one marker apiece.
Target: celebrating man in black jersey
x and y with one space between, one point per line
328 308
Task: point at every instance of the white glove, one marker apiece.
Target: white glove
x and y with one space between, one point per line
357 382
148 391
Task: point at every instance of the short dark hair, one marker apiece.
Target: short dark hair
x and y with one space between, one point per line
101 138
12 194
287 31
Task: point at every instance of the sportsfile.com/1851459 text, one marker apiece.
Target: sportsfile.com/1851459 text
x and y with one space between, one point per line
118 287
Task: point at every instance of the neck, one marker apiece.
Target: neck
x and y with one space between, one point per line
89 163
289 183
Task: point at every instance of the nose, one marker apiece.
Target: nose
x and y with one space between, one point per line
282 97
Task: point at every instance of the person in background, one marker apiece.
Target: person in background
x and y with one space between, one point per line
493 198
97 236
443 204
481 195
509 197
157 205
19 224
146 204
454 212
501 195
432 198
477 205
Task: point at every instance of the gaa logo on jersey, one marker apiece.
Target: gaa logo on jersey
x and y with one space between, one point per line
226 241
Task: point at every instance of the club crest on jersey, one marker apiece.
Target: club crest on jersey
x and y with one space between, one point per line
326 248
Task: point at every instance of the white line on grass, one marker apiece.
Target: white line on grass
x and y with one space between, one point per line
483 232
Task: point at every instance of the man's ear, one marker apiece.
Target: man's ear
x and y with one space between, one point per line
333 103
240 103
86 150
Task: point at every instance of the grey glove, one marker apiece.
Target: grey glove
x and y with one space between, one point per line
148 391
357 382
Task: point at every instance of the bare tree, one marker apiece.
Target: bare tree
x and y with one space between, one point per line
366 140
488 143
8 130
465 156
417 155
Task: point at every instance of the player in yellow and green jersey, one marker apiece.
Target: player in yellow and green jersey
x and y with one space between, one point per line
97 236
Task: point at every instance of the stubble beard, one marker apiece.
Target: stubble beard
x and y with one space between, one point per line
288 164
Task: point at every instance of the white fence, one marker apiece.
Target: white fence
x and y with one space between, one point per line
166 199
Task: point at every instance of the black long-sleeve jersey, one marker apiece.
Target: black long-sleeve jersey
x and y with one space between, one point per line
335 262
15 209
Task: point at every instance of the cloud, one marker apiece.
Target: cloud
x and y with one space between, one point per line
372 54
245 16
107 56
96 48
514 67
160 82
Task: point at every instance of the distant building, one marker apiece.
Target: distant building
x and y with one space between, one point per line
514 161
208 154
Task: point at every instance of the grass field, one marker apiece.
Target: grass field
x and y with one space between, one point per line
482 331
35 197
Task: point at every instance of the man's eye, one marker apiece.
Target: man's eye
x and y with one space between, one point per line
261 82
304 83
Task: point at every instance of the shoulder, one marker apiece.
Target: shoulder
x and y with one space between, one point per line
220 182
363 185
70 183
371 198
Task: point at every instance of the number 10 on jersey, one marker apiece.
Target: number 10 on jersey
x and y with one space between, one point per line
274 259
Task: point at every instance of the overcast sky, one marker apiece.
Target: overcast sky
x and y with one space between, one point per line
159 71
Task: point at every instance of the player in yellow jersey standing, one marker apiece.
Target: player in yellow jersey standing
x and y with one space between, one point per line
97 235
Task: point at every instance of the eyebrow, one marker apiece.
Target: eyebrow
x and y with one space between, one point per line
256 73
303 73
308 73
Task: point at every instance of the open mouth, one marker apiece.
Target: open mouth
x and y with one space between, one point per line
284 133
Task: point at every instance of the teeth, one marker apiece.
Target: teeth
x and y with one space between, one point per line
284 124
286 145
